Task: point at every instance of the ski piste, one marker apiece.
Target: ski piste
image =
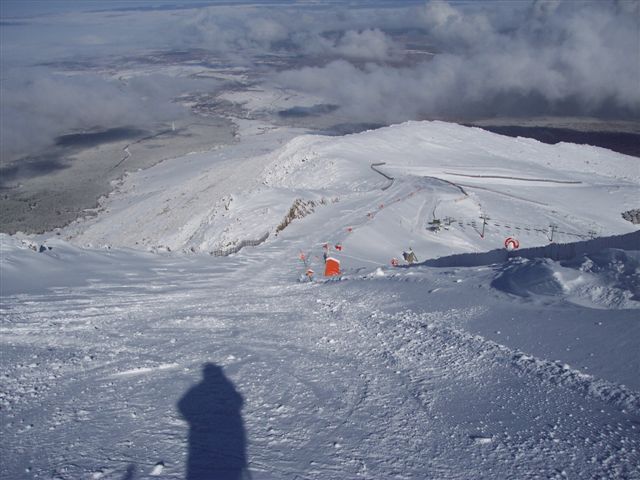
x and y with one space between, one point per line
476 362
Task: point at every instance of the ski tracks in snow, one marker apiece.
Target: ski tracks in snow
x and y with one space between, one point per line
487 407
339 380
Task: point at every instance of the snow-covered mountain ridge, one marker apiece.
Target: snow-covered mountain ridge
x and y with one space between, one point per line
204 202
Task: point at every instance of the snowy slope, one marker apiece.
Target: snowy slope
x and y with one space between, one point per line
412 373
179 203
521 369
440 170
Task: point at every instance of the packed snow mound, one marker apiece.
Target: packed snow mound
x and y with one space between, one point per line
609 279
528 278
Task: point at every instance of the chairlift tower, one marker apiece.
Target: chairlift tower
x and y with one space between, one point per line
485 219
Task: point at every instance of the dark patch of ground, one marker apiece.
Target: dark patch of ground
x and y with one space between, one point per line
621 142
93 139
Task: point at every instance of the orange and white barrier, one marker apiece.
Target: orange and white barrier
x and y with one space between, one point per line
511 243
331 267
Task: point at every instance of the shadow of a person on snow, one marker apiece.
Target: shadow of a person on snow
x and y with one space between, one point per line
217 439
131 471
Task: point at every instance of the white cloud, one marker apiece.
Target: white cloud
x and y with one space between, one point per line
544 57
38 106
569 59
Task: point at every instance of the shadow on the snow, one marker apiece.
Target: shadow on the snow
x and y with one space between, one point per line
131 471
217 440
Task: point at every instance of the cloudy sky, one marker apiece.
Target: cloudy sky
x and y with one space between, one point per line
379 61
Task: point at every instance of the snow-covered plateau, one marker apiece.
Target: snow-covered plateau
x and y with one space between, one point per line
175 334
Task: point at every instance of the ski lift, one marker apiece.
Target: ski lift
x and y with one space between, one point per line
435 225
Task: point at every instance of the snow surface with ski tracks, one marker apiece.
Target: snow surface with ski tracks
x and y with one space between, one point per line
523 369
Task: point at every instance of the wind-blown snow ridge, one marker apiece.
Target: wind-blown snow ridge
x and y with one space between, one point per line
557 373
562 374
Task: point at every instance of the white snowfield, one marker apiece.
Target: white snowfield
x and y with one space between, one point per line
120 363
214 200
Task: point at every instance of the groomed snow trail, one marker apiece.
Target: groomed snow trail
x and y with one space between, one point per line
340 380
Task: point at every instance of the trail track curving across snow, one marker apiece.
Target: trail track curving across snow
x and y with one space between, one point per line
508 177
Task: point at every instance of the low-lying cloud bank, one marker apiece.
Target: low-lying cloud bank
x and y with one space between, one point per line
38 106
552 59
489 58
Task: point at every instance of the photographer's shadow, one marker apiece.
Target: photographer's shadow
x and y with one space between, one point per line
217 439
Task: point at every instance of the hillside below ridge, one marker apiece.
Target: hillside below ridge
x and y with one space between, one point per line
440 171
